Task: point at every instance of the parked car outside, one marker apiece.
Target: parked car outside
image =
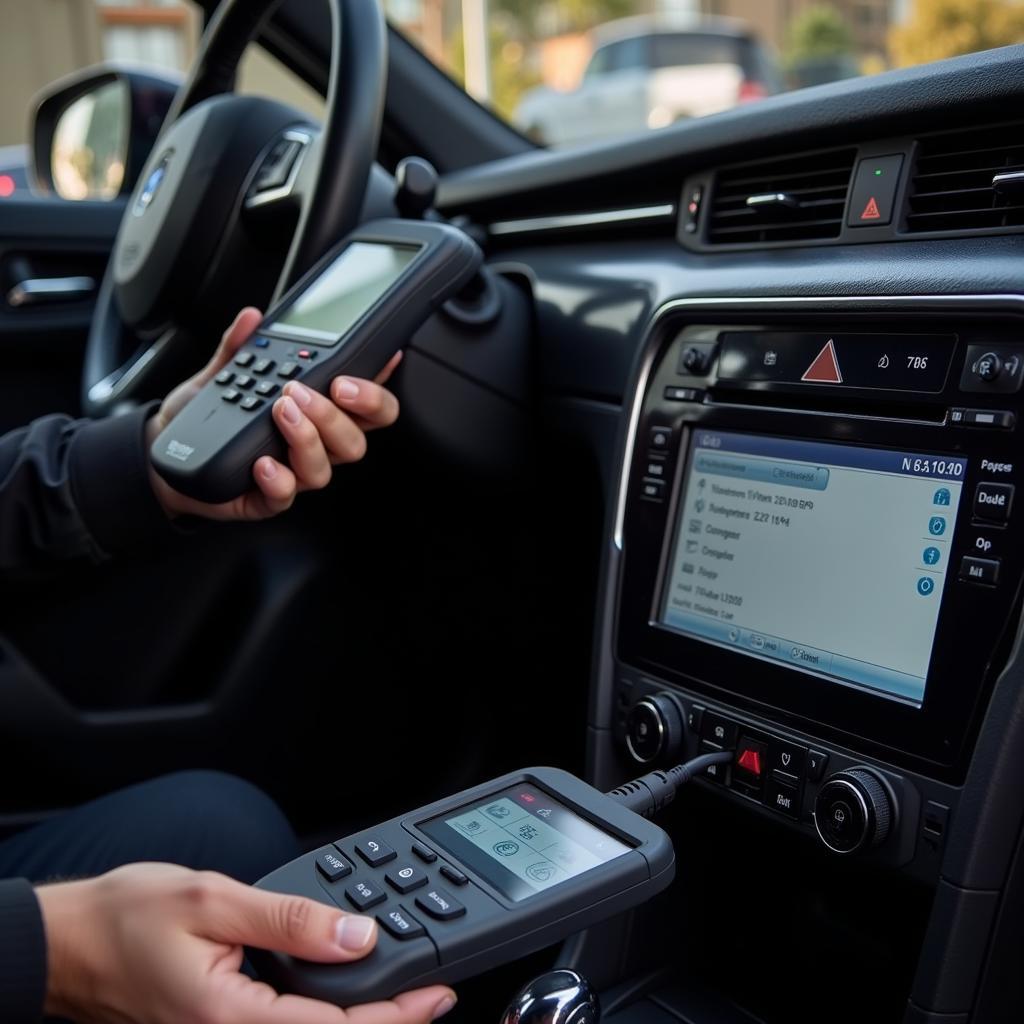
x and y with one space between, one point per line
648 73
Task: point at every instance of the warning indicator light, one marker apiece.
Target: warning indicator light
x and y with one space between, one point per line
825 367
871 211
750 761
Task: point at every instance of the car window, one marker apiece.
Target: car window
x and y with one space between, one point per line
630 54
679 49
54 40
533 62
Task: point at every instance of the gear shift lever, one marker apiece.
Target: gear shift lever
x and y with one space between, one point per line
558 997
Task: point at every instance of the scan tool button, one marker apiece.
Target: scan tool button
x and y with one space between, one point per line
363 895
244 359
332 865
406 878
400 923
375 851
425 853
441 904
453 875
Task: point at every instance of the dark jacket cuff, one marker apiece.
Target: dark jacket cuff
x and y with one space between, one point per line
109 472
22 954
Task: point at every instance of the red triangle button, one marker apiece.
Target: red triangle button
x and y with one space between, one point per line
871 211
825 368
750 761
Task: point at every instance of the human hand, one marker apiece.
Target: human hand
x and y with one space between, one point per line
320 433
158 944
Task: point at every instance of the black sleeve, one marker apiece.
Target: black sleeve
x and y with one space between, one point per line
76 489
22 954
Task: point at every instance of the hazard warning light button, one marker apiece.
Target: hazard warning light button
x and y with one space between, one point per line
874 191
824 368
750 761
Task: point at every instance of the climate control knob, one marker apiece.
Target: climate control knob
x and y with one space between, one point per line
853 811
655 728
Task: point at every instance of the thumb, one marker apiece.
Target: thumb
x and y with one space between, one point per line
233 339
241 915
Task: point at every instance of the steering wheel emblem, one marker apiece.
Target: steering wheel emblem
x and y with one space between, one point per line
152 186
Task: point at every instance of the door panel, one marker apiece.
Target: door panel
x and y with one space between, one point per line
43 342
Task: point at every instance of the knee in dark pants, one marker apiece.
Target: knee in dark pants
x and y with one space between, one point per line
221 823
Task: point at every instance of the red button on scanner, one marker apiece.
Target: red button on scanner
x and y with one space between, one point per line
750 761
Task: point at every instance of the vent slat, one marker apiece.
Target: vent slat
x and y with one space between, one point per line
818 182
951 186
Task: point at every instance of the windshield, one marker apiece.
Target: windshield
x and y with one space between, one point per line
567 72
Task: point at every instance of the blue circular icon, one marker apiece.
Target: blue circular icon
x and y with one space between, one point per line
931 556
936 526
925 585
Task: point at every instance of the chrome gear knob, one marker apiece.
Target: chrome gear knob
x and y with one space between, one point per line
558 997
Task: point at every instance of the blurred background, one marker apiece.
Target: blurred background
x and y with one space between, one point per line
561 71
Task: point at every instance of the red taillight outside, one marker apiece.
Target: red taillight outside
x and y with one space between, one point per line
751 90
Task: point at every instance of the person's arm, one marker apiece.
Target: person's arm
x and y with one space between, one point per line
157 944
22 954
75 489
84 489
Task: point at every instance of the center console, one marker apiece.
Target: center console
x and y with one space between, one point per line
813 560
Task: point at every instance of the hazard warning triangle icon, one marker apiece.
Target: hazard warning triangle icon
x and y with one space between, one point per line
825 367
871 211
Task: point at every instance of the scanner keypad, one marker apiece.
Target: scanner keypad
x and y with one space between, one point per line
366 889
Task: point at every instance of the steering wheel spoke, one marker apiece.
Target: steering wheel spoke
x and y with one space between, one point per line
285 173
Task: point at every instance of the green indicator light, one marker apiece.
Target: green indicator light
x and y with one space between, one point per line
878 172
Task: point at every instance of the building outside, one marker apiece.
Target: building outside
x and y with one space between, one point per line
44 40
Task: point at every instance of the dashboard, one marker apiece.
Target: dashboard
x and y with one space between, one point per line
805 420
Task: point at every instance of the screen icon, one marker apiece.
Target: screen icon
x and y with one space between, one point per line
498 811
936 526
542 871
925 585
942 496
695 526
507 848
931 556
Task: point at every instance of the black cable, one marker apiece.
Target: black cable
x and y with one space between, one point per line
654 791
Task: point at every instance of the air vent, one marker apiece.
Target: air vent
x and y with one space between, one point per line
965 181
798 198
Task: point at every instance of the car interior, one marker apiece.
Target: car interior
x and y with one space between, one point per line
716 452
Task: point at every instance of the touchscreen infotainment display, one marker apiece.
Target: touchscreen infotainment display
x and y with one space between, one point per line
827 558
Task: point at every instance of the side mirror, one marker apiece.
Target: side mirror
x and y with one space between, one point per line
94 130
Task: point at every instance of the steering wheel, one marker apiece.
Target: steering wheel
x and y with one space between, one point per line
239 196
